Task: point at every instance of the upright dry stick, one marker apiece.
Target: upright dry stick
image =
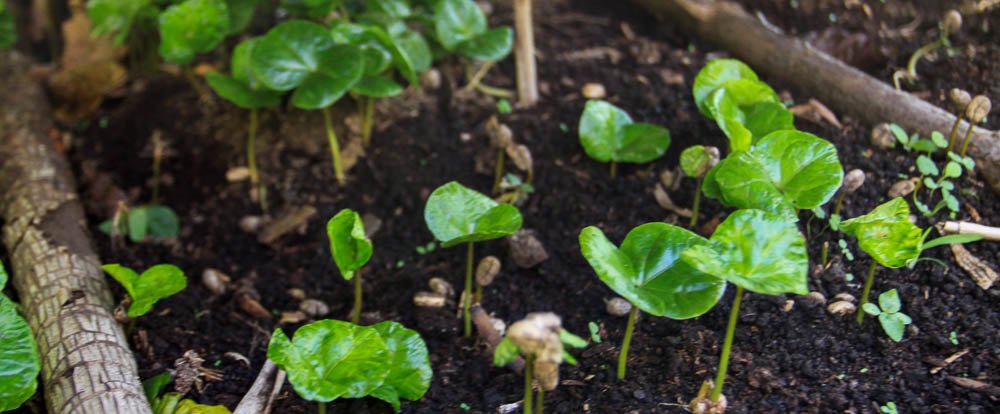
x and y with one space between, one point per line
87 366
524 54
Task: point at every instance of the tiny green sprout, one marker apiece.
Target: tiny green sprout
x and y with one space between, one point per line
953 338
456 214
156 283
541 340
20 363
696 161
949 25
608 134
853 180
757 251
8 31
960 100
330 359
888 311
350 249
889 408
647 271
504 107
465 406
846 250
976 112
142 223
595 332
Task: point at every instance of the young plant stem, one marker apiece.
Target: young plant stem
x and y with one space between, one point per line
321 407
911 65
623 354
529 375
825 254
356 312
840 203
467 303
540 401
968 138
331 137
498 171
614 169
476 77
478 297
696 203
494 91
959 117
727 345
367 106
252 162
866 291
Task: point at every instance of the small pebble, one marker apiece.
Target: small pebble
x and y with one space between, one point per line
813 299
292 317
296 293
617 306
593 91
431 79
525 249
882 138
846 297
902 188
314 308
215 281
237 174
441 287
428 300
639 395
841 308
251 224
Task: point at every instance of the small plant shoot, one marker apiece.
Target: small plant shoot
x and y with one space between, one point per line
156 283
456 214
142 223
647 271
351 250
889 313
19 361
696 161
608 134
329 359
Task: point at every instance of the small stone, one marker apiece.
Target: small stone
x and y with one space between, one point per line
844 296
639 395
525 249
237 174
465 137
372 224
251 224
882 137
841 308
215 281
428 300
593 91
902 188
813 299
296 293
431 79
788 306
617 306
314 308
853 181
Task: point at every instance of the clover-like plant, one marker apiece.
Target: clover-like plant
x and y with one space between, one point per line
696 161
245 91
19 360
330 359
156 283
541 340
889 313
460 27
351 249
456 214
303 56
608 134
8 31
756 251
142 223
647 271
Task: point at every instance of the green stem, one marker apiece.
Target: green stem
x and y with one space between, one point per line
321 407
825 253
866 291
356 312
840 203
367 119
478 297
968 138
614 169
467 303
498 171
911 66
478 76
696 203
540 401
252 161
954 130
494 91
727 345
331 138
529 364
623 354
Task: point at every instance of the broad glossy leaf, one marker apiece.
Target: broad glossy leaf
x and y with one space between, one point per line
492 45
804 167
376 55
8 30
289 53
377 87
695 161
730 119
240 14
393 9
713 75
413 45
456 214
887 234
330 359
764 118
457 21
747 93
240 94
742 181
154 385
760 251
349 245
338 69
400 58
192 27
894 324
19 361
642 143
646 270
157 282
162 221
118 16
408 361
600 126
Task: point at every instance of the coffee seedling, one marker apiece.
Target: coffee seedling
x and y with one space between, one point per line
460 27
20 364
608 134
949 25
696 161
156 283
853 180
171 402
889 314
142 223
350 249
960 100
976 112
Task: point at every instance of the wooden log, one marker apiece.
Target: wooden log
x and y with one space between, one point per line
87 366
834 83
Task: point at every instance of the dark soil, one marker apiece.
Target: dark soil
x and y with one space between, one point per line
799 360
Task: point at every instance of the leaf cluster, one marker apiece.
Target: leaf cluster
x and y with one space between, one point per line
171 402
19 361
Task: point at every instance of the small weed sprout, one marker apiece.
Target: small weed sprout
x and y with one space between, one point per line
461 27
351 250
889 408
949 25
501 138
156 283
889 314
608 134
696 161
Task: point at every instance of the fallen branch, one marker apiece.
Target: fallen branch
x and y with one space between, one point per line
831 81
87 366
265 388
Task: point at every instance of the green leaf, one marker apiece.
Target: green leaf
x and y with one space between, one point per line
339 69
349 245
871 309
192 407
118 16
192 27
3 277
747 93
19 361
939 139
392 9
641 143
408 362
646 270
240 94
695 161
157 282
313 9
930 183
492 45
888 301
161 221
505 353
764 118
742 181
951 239
240 14
457 21
760 251
601 125
377 87
456 214
730 119
289 53
804 167
571 340
887 234
952 170
330 359
894 324
154 385
416 49
8 29
713 75
926 166
900 135
138 224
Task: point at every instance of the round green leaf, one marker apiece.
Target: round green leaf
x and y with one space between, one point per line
155 283
646 270
493 45
240 94
506 352
339 68
192 27
601 126
313 9
457 21
804 167
695 161
871 309
757 250
19 362
394 9
642 143
889 301
240 14
713 75
349 245
331 359
376 55
289 53
408 361
730 119
887 234
742 181
746 93
894 324
415 48
926 166
763 118
117 16
377 87
456 214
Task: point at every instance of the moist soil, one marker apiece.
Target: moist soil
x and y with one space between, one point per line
790 354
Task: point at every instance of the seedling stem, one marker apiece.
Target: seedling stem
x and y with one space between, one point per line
356 312
968 136
367 105
498 172
720 378
954 129
614 169
467 303
540 401
252 161
479 74
866 291
529 363
696 203
321 407
623 355
331 137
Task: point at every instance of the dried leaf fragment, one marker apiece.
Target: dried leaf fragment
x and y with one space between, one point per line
979 271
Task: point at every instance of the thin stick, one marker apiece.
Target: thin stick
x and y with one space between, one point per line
524 53
866 291
623 354
356 312
467 303
720 378
331 138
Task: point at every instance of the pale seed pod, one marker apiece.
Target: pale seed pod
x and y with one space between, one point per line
960 98
215 281
853 181
713 156
617 306
441 287
881 137
428 300
500 134
978 108
841 308
951 23
521 157
314 308
487 270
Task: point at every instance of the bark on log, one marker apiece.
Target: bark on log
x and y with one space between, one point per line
87 366
833 82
